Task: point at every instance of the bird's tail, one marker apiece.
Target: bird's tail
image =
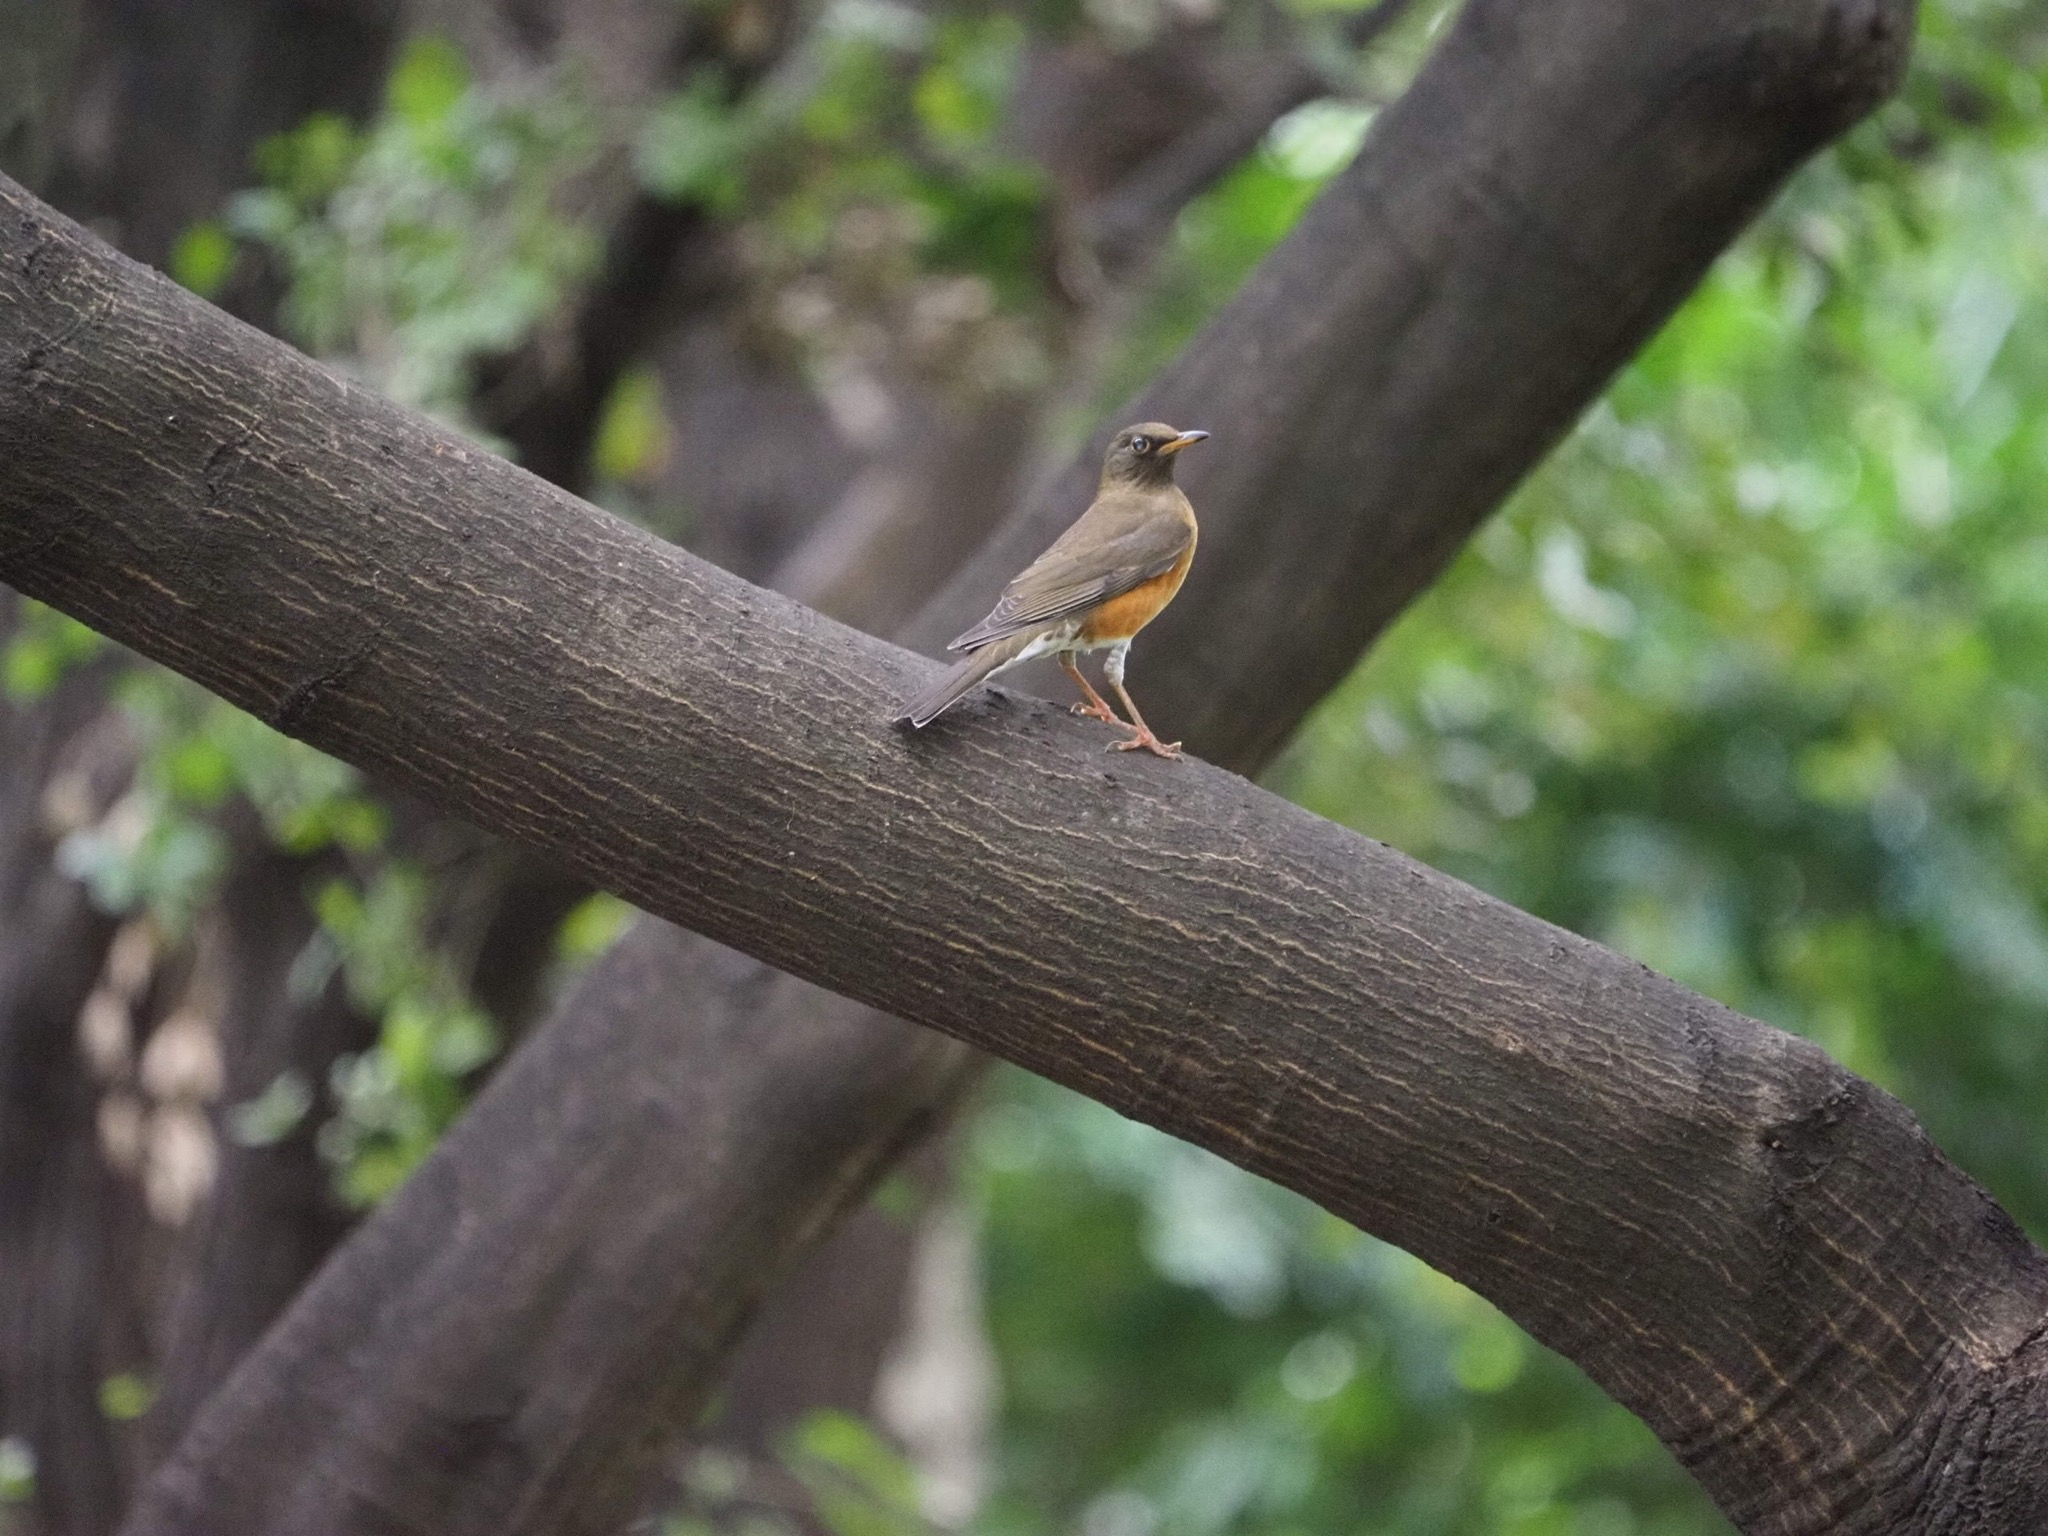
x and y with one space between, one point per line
962 680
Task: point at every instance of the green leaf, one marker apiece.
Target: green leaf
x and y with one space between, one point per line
374 1172
273 1114
340 908
198 770
306 167
1489 1356
203 257
45 645
961 96
17 1470
126 1397
431 78
1318 139
592 927
633 431
694 146
861 1485
898 1198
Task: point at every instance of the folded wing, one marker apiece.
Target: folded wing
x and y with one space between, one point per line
1074 576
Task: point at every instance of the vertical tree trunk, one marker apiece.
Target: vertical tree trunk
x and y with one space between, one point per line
69 1229
37 41
171 97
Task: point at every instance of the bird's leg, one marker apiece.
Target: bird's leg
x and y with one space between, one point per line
1113 669
1144 738
1095 708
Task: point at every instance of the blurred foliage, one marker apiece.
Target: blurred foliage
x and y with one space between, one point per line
395 1100
1186 1349
895 109
859 1482
17 1475
632 443
126 1396
885 231
43 646
856 1481
591 929
432 238
160 847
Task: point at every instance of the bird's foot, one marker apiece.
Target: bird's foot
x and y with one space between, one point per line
1097 711
1148 742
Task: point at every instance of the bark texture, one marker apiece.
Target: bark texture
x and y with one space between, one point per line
1758 1252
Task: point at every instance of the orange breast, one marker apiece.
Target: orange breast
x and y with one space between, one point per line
1128 612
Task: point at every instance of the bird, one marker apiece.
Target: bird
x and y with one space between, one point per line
1102 581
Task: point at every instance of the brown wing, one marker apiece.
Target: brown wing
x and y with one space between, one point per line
1071 579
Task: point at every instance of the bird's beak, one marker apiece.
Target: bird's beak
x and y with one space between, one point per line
1185 440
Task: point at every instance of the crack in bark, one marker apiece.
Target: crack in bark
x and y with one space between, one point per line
292 712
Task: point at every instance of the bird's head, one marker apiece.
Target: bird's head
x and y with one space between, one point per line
1145 453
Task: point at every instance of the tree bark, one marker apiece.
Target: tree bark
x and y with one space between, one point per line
1838 1332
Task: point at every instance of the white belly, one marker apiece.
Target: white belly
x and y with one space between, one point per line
1067 638
1052 642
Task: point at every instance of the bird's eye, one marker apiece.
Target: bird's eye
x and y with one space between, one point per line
1141 445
